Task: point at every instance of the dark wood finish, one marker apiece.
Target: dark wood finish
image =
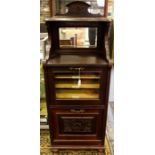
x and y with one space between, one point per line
78 8
78 126
102 25
51 7
77 115
111 40
106 8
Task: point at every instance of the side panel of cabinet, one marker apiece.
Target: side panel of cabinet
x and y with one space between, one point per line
49 85
76 126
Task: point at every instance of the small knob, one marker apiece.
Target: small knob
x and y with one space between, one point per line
76 68
77 111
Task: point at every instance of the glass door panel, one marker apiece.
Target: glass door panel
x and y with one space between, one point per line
72 85
77 94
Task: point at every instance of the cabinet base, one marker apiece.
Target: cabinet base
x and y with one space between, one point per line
55 149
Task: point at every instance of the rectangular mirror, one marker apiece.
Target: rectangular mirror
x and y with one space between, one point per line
78 37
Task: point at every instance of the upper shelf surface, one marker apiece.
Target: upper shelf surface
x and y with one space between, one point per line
68 18
77 60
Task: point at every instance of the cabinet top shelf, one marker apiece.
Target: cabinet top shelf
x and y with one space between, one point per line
76 59
74 19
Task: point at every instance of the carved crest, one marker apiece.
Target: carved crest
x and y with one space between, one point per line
78 8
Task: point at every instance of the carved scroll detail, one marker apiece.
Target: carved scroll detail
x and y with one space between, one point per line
77 125
78 8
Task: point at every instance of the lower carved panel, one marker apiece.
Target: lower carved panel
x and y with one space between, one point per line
77 125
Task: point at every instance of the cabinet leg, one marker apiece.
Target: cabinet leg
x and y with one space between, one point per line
101 152
55 151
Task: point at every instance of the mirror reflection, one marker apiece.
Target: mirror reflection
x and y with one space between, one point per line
78 37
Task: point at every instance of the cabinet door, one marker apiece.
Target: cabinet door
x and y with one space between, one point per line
71 85
76 126
77 85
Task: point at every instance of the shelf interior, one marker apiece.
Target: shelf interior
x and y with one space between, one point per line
77 94
73 85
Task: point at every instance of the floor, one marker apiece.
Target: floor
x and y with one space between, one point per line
46 148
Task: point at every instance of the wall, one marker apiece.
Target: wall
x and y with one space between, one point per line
111 93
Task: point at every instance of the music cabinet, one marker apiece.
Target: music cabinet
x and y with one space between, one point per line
77 76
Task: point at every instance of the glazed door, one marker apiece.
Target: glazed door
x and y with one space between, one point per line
77 85
74 86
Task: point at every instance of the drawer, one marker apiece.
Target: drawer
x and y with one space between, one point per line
76 125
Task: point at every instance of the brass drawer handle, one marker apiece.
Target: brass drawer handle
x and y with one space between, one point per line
77 111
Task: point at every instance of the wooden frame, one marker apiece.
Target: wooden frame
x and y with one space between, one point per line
102 25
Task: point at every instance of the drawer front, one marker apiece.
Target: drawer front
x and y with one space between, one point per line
76 125
71 85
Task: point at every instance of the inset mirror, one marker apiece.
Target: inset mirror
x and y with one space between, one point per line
78 37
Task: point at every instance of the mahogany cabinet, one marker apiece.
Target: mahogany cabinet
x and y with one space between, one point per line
77 76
